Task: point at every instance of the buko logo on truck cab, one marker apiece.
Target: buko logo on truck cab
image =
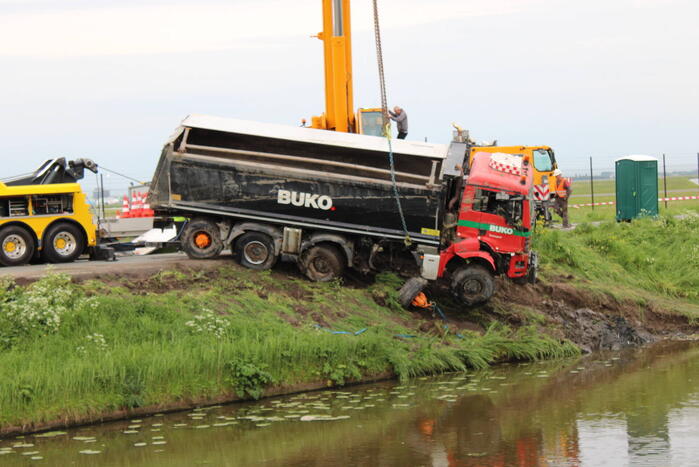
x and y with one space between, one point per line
307 200
500 229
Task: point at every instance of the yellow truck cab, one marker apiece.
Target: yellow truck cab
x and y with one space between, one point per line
46 213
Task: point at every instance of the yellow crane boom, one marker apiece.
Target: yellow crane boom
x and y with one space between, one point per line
337 48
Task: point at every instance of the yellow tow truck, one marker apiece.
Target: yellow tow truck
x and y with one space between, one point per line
45 214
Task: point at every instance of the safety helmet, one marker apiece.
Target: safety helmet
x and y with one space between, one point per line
557 173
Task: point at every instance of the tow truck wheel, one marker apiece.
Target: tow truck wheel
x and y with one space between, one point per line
255 250
16 246
473 284
201 239
63 243
322 263
411 289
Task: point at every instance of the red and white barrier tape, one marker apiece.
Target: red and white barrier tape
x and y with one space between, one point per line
587 205
611 203
678 198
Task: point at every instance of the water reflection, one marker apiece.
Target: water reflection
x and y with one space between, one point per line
634 408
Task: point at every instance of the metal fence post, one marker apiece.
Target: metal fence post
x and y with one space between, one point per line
665 180
592 185
102 195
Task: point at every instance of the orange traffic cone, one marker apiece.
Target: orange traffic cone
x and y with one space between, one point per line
125 212
140 205
136 206
147 211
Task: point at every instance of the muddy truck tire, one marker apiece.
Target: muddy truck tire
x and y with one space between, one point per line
530 278
201 239
473 284
322 263
410 290
255 250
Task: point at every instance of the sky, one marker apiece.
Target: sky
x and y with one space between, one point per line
111 80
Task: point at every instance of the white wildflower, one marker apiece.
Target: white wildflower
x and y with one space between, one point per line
93 342
208 322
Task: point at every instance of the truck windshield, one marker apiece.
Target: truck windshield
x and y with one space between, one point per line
499 204
542 160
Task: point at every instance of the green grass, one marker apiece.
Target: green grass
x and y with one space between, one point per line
599 199
581 195
232 331
582 187
643 258
605 213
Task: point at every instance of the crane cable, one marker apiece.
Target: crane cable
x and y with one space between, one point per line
122 175
386 121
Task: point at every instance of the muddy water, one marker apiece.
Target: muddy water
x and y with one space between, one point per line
640 407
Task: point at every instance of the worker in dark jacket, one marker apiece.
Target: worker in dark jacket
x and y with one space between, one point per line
399 116
563 190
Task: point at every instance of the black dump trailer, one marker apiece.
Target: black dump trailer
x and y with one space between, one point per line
324 199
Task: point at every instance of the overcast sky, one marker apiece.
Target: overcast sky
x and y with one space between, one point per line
110 79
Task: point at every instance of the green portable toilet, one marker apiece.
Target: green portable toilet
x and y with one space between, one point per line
636 187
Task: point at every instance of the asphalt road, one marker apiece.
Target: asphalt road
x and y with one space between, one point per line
136 266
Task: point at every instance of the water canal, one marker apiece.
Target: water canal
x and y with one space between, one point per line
639 407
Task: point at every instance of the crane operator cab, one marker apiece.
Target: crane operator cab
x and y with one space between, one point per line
371 122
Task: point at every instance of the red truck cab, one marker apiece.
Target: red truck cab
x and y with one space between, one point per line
493 228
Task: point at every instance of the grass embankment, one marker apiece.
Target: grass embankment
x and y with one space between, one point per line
73 352
645 260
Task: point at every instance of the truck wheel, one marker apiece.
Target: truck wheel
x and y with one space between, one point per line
16 246
255 250
201 239
410 290
63 243
322 263
530 278
533 275
473 285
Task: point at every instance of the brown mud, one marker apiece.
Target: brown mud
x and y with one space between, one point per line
592 320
